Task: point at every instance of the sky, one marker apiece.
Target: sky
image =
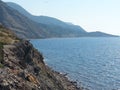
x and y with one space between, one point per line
91 15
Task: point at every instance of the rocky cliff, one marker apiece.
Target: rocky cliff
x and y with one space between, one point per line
24 69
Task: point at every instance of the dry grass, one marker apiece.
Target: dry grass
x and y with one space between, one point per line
6 36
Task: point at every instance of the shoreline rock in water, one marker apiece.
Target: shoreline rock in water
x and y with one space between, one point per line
24 69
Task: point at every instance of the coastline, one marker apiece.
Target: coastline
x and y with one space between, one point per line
63 76
65 80
24 69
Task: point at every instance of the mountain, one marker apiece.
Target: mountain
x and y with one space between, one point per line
20 24
26 25
100 34
27 28
45 19
58 27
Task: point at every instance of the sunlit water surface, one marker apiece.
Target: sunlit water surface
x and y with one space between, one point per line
93 61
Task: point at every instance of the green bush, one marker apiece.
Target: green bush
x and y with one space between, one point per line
1 65
1 52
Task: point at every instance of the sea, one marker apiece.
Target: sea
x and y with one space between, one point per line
93 63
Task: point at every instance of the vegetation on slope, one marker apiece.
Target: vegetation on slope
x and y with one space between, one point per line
1 54
6 37
22 67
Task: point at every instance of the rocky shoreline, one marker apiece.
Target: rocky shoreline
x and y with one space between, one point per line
24 69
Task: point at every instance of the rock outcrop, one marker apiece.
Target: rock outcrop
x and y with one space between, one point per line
24 69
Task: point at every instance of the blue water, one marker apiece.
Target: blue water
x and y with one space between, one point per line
92 62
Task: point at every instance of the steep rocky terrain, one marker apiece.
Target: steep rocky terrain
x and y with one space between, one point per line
22 67
6 37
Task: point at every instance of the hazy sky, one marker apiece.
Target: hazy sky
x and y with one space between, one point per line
92 15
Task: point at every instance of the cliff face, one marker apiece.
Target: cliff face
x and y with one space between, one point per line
24 69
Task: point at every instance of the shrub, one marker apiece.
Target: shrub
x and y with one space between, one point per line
1 52
1 55
1 65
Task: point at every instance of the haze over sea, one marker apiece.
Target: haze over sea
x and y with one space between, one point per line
95 62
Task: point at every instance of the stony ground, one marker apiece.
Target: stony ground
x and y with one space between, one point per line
24 69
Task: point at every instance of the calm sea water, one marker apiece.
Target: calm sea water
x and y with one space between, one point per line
95 62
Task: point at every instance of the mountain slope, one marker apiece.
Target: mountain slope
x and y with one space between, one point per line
6 36
21 25
45 19
22 67
57 27
26 28
100 34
